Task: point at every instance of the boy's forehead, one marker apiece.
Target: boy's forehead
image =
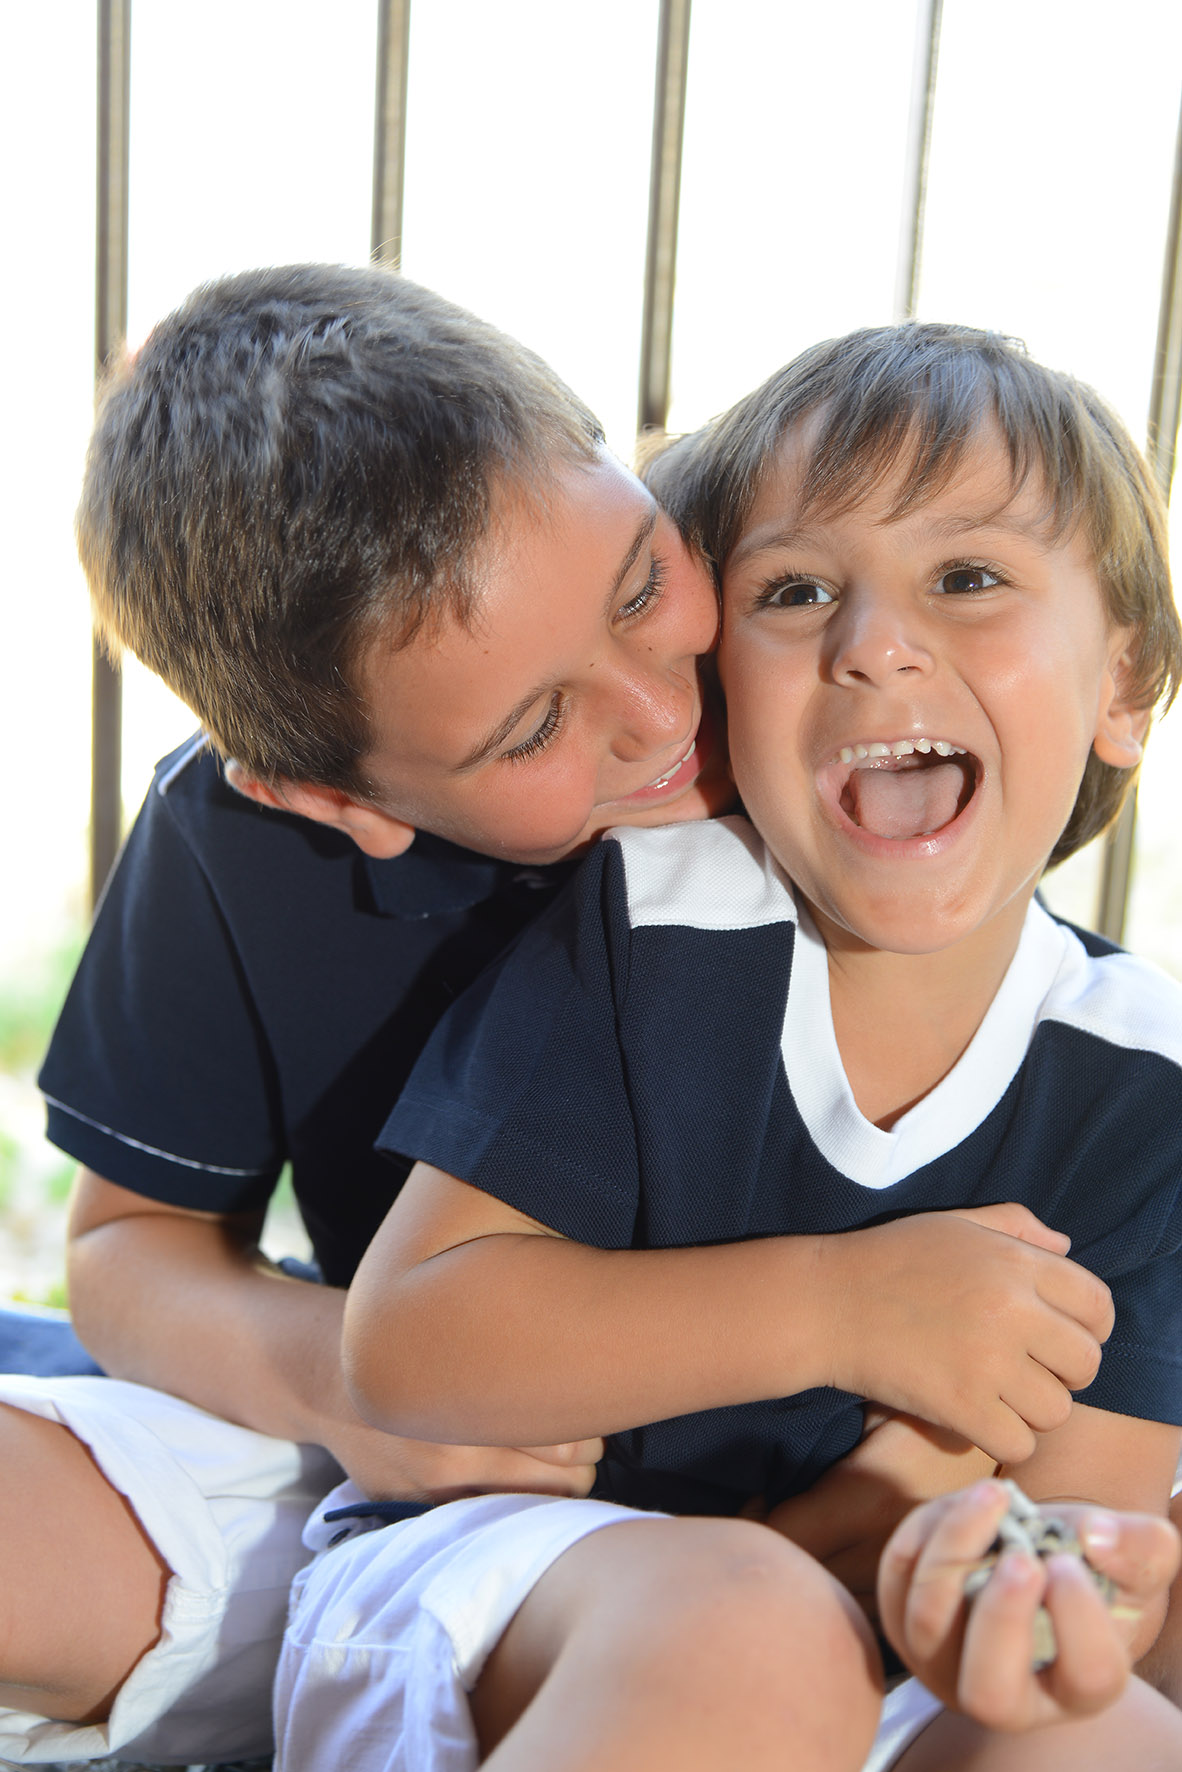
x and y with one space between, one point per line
510 619
977 486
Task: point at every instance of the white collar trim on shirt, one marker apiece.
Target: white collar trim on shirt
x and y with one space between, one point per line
719 875
957 1105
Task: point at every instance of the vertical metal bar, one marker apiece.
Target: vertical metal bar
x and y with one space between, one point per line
389 131
663 202
919 142
1165 414
1165 399
110 327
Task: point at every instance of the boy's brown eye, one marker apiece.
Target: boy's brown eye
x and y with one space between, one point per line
959 580
793 593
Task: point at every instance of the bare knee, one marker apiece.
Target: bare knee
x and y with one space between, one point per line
723 1616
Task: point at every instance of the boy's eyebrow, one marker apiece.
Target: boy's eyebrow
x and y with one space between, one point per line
493 740
1031 530
801 535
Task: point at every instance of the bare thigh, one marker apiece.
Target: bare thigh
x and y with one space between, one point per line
1140 1732
696 1643
1162 1666
83 1586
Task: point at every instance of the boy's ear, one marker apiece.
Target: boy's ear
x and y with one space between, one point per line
1121 726
375 832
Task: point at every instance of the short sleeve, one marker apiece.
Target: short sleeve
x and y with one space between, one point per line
521 1090
157 1077
1140 1255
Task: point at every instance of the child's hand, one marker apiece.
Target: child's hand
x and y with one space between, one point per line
974 1321
388 1468
977 1658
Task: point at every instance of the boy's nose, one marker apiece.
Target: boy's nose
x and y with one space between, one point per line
651 708
874 644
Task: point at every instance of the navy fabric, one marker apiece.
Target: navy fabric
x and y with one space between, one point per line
654 1065
254 992
43 1345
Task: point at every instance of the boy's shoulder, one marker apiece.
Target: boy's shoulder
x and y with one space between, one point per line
713 874
1119 998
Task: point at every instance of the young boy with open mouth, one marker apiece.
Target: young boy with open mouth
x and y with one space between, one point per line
680 1151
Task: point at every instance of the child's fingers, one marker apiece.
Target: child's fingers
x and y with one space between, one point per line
923 1569
568 1453
1139 1552
1018 1221
1091 1663
995 1684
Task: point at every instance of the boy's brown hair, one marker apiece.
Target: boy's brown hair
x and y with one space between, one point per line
296 462
918 393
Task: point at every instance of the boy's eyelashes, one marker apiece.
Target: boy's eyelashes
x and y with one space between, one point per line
649 593
964 577
543 735
955 578
792 593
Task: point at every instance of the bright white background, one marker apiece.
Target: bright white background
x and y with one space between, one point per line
529 131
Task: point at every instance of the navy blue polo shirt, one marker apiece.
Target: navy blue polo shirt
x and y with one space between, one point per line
255 991
654 1065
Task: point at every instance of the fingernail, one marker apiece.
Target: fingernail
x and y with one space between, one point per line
1017 1569
1100 1531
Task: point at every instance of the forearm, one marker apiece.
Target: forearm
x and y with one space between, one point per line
188 1305
502 1329
531 1338
185 1303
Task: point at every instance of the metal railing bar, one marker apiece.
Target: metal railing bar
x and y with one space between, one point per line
664 200
389 132
929 15
1165 414
110 328
1165 399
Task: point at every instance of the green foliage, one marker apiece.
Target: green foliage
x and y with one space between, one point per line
53 1295
59 1182
29 1006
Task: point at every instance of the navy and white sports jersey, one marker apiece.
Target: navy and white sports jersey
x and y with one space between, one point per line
254 991
654 1064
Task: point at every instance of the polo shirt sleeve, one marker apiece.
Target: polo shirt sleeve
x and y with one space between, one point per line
521 1091
1140 1255
157 1077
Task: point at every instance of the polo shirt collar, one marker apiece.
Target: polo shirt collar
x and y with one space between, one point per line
434 877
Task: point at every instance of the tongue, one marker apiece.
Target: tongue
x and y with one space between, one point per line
904 802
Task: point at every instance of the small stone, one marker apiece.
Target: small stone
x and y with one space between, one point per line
1024 1527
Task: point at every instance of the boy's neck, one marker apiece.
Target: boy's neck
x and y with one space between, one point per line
902 1021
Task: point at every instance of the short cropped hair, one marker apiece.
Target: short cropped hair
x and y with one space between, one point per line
915 396
297 462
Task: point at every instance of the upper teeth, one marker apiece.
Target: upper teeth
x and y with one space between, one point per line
670 773
902 747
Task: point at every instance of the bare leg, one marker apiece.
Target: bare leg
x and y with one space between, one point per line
83 1587
1162 1666
701 1644
1140 1730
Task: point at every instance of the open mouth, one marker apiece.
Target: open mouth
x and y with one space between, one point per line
663 781
904 789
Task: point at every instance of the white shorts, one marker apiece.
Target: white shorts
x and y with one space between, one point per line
389 1631
225 1508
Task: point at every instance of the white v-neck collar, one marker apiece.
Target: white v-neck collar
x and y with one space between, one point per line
956 1106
